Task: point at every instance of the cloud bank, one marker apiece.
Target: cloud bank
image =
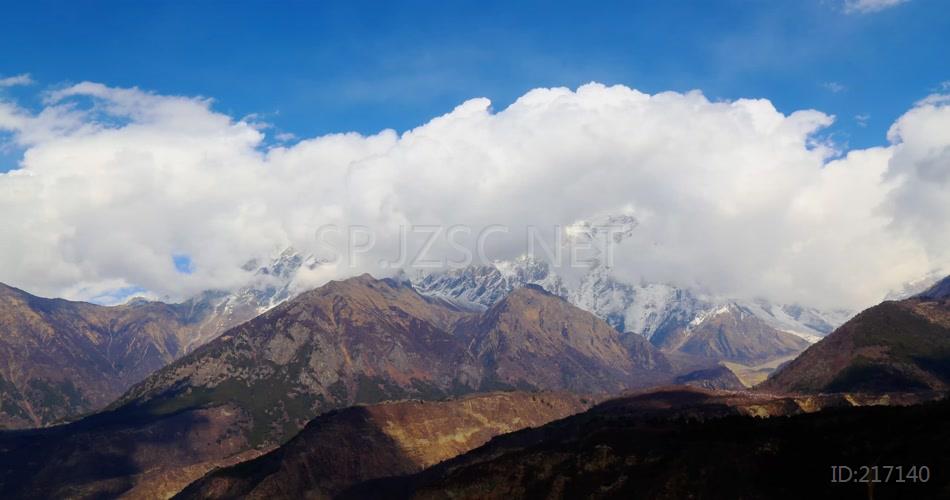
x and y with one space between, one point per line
116 185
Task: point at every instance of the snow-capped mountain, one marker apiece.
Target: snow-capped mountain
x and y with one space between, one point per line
270 284
809 323
916 287
481 286
653 310
656 311
645 309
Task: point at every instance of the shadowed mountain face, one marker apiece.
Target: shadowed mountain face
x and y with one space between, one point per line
689 444
59 359
111 454
345 447
358 341
894 346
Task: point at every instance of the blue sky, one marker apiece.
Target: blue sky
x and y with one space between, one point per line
315 67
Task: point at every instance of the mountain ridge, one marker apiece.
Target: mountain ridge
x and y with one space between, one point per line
895 345
331 452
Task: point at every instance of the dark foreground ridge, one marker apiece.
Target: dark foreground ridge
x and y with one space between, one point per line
683 444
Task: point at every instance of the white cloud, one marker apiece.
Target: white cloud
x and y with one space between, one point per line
734 196
920 169
13 81
862 119
834 87
867 6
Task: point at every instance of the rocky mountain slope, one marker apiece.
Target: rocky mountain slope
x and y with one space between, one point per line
695 444
346 447
60 359
355 341
731 333
894 346
535 340
364 340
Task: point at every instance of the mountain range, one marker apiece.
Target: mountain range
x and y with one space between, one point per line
364 340
752 336
314 362
105 350
357 341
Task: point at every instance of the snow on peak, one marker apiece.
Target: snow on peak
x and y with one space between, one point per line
647 309
481 286
616 227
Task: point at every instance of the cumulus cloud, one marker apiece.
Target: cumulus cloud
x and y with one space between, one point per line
868 6
732 196
13 81
920 168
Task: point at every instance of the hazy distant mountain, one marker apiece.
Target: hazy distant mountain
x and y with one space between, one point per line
356 444
894 346
915 287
